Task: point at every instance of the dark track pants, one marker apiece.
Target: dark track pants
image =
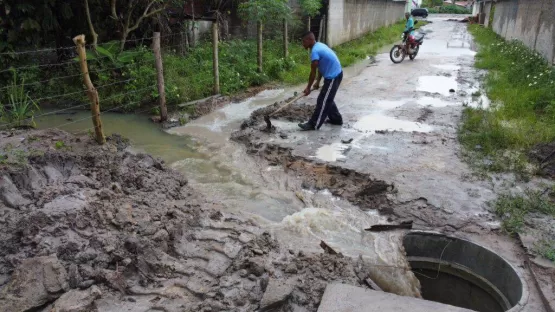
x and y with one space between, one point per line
325 107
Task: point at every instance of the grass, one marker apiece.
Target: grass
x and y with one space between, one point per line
190 77
546 248
513 209
521 86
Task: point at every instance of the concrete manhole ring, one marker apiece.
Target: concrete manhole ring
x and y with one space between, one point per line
461 273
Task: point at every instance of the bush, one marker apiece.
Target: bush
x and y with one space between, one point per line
450 9
17 109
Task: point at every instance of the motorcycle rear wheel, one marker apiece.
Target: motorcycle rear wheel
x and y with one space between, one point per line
412 56
397 54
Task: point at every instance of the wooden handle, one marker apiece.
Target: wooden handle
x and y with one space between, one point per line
287 104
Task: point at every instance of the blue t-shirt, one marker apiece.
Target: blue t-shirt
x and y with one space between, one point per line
409 25
329 64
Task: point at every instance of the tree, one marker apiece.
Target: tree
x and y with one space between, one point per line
310 8
127 17
262 11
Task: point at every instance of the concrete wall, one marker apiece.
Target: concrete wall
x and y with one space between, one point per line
350 19
487 11
530 21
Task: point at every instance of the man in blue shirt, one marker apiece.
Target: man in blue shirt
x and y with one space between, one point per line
326 62
408 26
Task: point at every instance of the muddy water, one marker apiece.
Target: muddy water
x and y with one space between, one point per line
221 170
145 136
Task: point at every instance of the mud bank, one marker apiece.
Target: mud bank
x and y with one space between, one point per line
89 228
359 189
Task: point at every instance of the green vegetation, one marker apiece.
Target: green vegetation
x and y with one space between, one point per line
450 9
60 144
18 108
310 7
521 86
546 248
513 209
127 82
190 78
431 3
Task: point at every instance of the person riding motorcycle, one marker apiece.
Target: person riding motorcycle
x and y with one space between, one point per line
408 26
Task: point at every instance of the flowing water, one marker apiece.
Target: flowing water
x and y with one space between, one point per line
222 171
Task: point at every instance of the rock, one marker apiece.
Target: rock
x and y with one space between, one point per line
86 284
52 174
217 264
35 282
77 300
452 90
256 266
74 276
161 236
10 195
276 294
291 268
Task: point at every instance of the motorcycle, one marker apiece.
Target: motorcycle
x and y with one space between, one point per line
400 51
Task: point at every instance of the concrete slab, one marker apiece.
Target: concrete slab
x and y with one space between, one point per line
347 298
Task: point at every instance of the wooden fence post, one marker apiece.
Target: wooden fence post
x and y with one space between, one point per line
259 45
160 71
321 31
92 93
285 39
216 66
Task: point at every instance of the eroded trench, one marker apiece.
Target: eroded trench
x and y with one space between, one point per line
450 270
381 257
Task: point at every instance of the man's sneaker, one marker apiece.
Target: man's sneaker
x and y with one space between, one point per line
306 126
335 123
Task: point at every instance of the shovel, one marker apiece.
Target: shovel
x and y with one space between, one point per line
267 117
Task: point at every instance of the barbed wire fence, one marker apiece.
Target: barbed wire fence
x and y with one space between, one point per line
126 80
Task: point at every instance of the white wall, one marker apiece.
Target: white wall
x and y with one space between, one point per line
350 19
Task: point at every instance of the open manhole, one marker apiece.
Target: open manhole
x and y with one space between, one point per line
461 273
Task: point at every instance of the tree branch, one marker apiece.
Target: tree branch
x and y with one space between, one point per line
91 26
146 15
113 9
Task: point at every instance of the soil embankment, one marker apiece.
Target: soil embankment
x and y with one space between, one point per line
105 229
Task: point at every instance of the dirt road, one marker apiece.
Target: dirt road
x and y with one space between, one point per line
118 230
402 120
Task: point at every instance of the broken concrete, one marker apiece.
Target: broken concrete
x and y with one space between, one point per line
276 294
348 298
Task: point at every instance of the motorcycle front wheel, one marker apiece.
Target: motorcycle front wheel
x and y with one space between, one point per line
397 54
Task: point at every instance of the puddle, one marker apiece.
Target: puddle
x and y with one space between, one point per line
145 136
477 99
437 84
371 123
451 48
434 102
331 152
447 67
